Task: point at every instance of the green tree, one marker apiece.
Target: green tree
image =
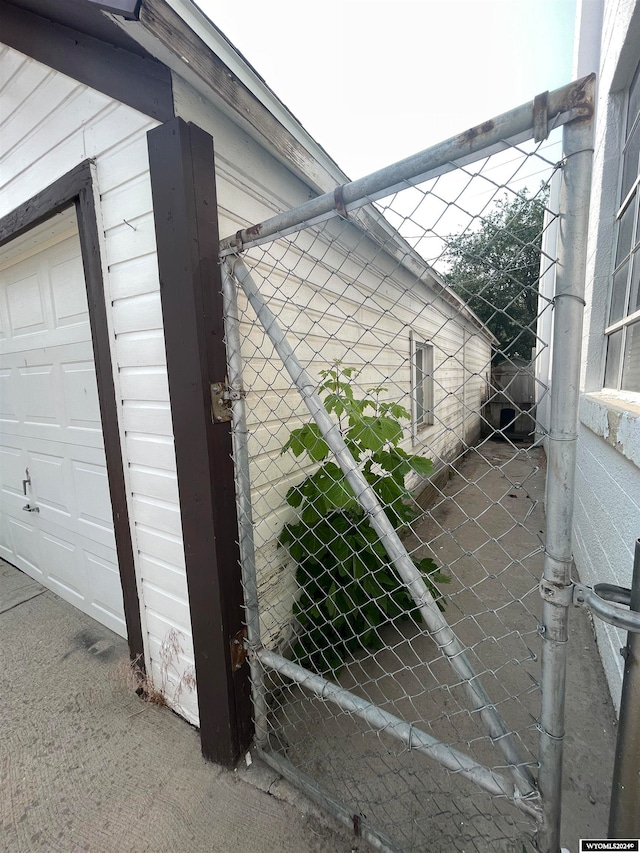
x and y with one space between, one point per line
496 268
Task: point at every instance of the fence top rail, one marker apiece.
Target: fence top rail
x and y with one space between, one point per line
534 119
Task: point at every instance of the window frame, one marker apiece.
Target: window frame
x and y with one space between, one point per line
423 390
629 204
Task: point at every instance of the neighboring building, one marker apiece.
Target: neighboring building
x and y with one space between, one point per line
510 410
117 486
607 512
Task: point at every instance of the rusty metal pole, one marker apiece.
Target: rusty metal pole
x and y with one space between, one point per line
624 813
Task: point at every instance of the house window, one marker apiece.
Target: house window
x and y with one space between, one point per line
622 367
423 363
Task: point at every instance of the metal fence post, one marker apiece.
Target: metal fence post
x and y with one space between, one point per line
243 500
567 335
624 814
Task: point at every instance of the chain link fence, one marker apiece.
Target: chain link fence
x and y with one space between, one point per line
384 366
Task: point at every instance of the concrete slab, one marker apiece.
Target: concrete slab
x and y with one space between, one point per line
486 531
88 766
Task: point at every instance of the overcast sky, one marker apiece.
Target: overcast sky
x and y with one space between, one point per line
376 80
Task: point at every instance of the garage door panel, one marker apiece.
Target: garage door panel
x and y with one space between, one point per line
90 453
37 395
50 423
8 406
68 292
11 471
106 591
38 435
80 395
65 571
92 493
32 347
49 486
26 546
7 551
26 313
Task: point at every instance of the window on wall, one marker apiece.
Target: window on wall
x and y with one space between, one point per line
622 368
423 365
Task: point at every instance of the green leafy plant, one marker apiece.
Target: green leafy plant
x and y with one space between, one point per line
348 588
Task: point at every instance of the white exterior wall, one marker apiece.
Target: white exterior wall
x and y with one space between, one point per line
607 513
343 298
544 328
48 124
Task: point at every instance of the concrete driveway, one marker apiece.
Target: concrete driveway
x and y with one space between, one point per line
85 765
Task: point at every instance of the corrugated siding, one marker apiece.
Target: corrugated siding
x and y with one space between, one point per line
50 123
341 298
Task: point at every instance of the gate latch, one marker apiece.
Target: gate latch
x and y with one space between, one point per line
239 652
604 599
222 395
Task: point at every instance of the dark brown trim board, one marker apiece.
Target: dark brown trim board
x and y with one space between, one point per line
76 187
144 84
166 25
186 222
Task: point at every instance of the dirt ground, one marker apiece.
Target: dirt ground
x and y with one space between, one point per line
486 531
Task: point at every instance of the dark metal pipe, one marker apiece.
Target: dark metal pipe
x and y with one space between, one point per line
624 813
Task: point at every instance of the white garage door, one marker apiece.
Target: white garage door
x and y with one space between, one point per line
50 427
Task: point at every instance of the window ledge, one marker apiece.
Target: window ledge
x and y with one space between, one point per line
616 418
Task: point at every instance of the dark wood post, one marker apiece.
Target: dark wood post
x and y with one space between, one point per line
186 223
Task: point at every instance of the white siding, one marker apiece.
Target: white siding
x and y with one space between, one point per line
342 298
50 123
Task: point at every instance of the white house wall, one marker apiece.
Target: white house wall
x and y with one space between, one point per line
607 513
344 300
50 123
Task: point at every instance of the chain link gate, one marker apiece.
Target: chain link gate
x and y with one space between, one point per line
404 662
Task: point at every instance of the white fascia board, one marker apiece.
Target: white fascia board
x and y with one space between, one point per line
197 21
327 176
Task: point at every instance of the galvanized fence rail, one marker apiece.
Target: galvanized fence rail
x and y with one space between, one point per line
392 545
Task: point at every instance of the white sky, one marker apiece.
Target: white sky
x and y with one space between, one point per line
376 80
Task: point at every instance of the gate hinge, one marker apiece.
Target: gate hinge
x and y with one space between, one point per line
222 395
239 651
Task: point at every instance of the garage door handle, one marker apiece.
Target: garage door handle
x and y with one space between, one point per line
29 508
